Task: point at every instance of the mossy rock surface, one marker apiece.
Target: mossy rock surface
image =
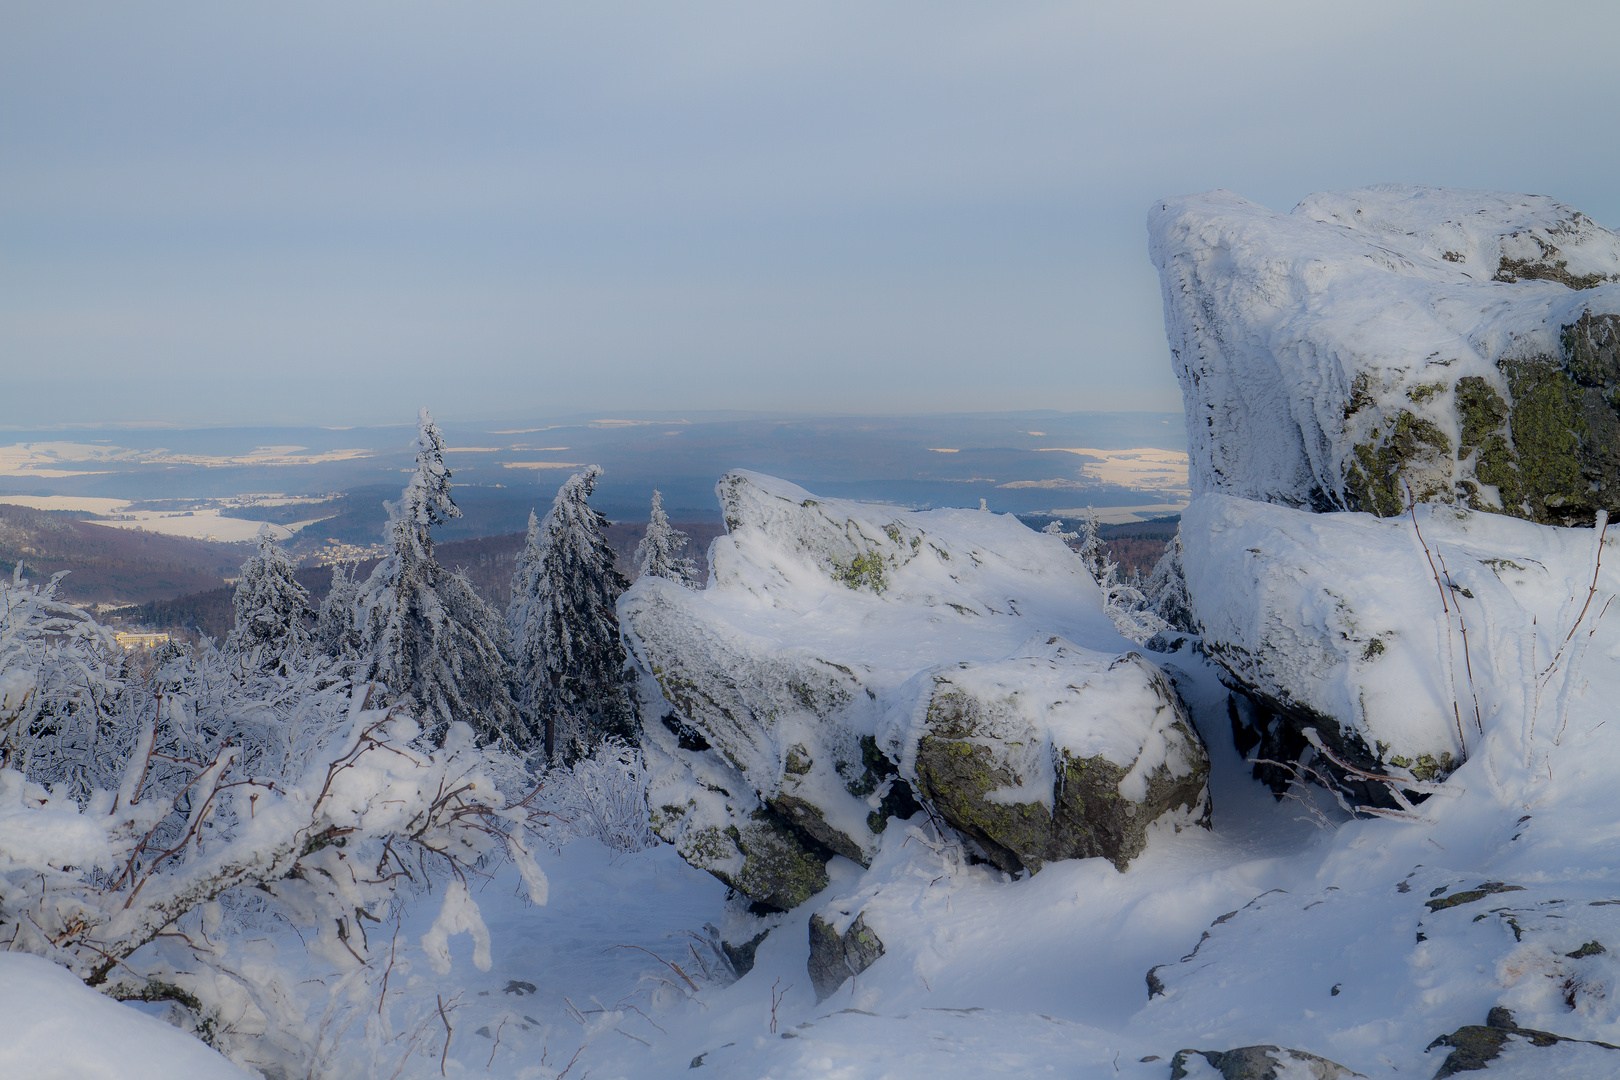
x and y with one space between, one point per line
1476 1046
965 768
1261 1063
1540 440
778 871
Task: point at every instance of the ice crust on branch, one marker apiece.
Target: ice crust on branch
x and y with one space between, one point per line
140 813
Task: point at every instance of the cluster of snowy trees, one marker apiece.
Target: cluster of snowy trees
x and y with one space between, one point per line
1139 606
312 770
548 679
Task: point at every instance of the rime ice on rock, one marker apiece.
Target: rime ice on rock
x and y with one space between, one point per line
1460 345
777 711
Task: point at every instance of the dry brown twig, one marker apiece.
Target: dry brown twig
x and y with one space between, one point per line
776 1001
676 968
1445 605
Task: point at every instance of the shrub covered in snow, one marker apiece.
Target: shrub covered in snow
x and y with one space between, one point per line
602 795
145 822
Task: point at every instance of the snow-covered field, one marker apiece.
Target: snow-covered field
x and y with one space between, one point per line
1046 975
206 524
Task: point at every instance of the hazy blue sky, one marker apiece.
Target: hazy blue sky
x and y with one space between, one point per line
335 212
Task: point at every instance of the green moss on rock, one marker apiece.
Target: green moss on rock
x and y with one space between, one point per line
1548 429
1383 465
777 871
867 570
958 767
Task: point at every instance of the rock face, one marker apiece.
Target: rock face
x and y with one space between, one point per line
1371 632
1057 753
781 704
1476 1046
835 957
1464 346
1255 1063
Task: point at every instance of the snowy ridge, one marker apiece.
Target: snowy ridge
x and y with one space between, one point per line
1297 337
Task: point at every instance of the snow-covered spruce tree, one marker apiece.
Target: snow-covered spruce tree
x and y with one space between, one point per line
337 632
1166 589
659 553
272 610
424 631
571 668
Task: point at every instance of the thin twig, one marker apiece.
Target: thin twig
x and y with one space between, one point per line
1445 605
676 968
448 1031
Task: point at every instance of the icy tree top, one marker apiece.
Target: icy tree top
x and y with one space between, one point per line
426 499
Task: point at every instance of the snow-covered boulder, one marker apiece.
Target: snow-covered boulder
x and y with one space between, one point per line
775 702
1397 640
1057 752
1462 344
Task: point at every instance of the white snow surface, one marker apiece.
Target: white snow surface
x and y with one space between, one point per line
1249 926
957 585
1271 318
1051 695
1412 632
53 1027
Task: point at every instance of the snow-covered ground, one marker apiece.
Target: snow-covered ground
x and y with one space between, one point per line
205 524
1360 942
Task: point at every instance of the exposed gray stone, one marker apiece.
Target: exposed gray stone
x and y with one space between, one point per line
1260 1063
834 957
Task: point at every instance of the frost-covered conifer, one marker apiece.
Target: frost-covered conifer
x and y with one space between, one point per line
423 630
336 631
272 609
659 553
1166 589
565 631
1125 603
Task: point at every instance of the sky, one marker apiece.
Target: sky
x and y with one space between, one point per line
333 213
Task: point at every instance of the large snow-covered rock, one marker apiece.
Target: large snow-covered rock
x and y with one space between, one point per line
1462 344
1055 753
1397 640
779 701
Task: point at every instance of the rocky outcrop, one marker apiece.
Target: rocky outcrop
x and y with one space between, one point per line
835 957
1475 1046
1056 753
1397 342
1255 1063
1366 634
782 706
